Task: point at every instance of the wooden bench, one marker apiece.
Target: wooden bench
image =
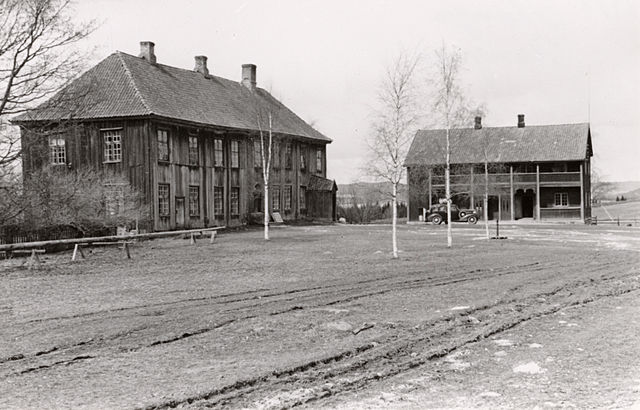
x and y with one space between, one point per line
33 259
9 254
192 240
124 243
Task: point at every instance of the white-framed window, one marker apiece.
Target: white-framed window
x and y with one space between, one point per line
114 199
319 161
194 200
275 199
287 198
194 153
235 154
57 151
235 201
112 145
163 200
218 157
163 145
218 201
561 199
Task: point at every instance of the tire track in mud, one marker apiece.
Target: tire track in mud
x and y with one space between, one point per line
258 294
313 300
392 355
58 363
150 305
310 301
266 299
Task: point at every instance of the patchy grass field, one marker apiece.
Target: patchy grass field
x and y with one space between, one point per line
322 317
624 210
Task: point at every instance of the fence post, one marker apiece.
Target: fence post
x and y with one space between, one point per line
33 259
77 249
125 250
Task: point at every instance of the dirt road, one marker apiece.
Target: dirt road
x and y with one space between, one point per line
318 316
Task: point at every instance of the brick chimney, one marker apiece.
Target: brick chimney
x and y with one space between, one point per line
249 76
147 52
201 65
478 124
520 120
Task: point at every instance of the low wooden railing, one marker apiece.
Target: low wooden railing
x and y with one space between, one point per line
594 220
505 178
113 238
560 213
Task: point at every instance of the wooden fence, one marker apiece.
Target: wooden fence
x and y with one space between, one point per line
615 221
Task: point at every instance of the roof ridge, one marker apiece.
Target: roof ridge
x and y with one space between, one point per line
131 86
133 82
211 76
506 126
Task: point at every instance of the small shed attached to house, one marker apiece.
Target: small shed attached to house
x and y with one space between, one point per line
321 198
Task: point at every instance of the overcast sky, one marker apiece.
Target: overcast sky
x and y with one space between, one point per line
324 59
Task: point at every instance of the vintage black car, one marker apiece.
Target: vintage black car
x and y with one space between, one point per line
438 214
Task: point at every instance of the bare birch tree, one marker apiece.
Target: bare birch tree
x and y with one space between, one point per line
599 188
38 58
393 129
485 152
266 144
449 108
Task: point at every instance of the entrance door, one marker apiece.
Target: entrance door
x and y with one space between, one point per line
527 204
179 212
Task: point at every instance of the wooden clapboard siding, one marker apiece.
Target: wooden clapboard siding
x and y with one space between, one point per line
180 174
140 166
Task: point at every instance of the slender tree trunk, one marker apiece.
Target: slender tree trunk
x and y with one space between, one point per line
266 211
394 220
447 181
266 169
486 199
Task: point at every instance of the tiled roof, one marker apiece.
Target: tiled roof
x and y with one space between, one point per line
317 183
567 142
122 85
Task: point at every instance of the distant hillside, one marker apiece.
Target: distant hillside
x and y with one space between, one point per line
377 192
368 192
613 210
635 194
628 189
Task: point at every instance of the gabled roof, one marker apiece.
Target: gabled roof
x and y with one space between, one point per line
122 85
539 143
317 183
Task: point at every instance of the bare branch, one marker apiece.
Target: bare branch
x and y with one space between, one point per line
38 58
394 125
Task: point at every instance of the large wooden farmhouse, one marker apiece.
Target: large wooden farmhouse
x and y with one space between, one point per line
538 172
186 139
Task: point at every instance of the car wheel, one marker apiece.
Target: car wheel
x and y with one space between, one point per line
437 220
472 220
462 214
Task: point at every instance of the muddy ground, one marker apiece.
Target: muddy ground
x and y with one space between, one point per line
323 317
